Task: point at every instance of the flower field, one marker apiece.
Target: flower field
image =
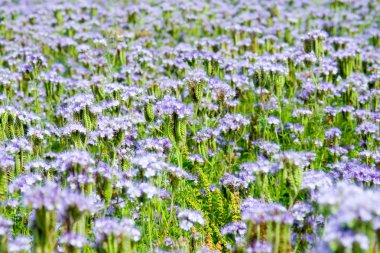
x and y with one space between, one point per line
190 126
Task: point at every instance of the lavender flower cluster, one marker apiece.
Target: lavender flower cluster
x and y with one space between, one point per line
189 126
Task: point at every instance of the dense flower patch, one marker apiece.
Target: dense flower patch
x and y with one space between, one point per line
190 126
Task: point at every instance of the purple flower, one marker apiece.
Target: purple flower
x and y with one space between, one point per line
259 212
367 127
301 112
345 237
6 161
229 180
353 170
73 128
150 164
38 133
74 240
232 122
48 197
169 105
300 211
17 145
80 203
338 151
139 190
238 227
313 180
221 91
196 158
105 227
5 226
179 173
74 104
267 148
24 182
156 145
260 247
206 134
188 218
315 34
273 121
262 165
295 158
19 244
333 133
74 159
349 203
